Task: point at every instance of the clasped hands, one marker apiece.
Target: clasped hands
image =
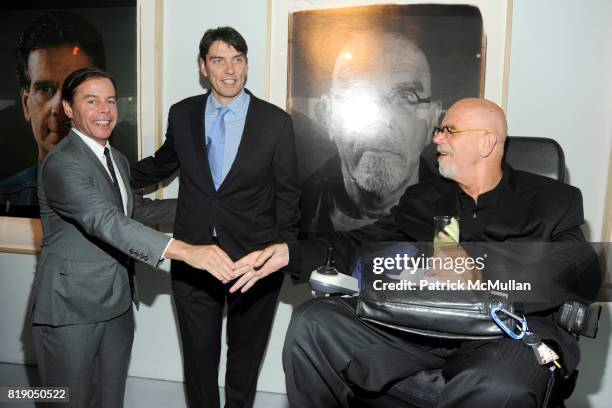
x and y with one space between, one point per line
259 264
214 260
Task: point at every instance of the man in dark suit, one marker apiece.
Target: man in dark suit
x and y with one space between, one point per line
84 285
332 358
238 188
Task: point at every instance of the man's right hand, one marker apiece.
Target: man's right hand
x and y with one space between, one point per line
210 258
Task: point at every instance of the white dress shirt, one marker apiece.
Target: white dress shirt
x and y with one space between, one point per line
98 150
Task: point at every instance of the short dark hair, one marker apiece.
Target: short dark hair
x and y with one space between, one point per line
226 34
79 76
54 29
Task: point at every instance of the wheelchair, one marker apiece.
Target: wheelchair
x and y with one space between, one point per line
537 155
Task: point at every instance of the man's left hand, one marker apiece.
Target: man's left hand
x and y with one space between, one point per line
442 274
259 264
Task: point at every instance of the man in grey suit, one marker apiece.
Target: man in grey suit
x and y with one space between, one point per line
82 318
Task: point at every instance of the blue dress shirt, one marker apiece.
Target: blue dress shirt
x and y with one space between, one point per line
234 125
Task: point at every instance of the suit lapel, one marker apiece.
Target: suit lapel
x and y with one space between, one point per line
250 129
198 133
123 167
101 171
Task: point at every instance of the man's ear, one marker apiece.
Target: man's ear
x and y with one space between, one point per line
24 95
67 109
488 141
203 67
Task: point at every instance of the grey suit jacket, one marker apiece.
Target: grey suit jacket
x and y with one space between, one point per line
82 272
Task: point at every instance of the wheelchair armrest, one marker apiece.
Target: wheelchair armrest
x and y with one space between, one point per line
579 319
326 280
333 284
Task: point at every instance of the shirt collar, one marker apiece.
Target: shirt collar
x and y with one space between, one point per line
491 197
93 145
237 107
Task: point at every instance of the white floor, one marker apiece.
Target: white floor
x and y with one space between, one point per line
140 392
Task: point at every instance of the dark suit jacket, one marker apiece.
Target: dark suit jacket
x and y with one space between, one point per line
82 272
531 208
257 203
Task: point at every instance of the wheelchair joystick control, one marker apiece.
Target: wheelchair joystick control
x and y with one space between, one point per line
326 280
328 267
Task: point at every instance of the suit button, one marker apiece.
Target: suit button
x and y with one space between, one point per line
215 199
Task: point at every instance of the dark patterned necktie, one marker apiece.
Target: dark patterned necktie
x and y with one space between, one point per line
111 169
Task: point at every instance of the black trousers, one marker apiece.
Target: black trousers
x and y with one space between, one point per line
90 358
333 359
249 319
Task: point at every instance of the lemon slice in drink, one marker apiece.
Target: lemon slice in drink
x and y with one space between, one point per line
452 231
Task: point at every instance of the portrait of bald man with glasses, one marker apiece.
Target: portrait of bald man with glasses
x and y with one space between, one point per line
376 106
380 115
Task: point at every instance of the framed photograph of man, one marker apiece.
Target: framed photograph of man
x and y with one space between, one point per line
43 42
606 236
366 83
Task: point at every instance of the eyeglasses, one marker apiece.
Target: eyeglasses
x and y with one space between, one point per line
406 100
446 131
401 101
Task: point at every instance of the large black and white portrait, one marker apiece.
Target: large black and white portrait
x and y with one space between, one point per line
40 44
366 86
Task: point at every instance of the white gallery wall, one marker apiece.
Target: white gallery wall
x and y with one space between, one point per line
560 87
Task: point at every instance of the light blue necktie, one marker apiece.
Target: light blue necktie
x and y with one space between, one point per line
215 144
